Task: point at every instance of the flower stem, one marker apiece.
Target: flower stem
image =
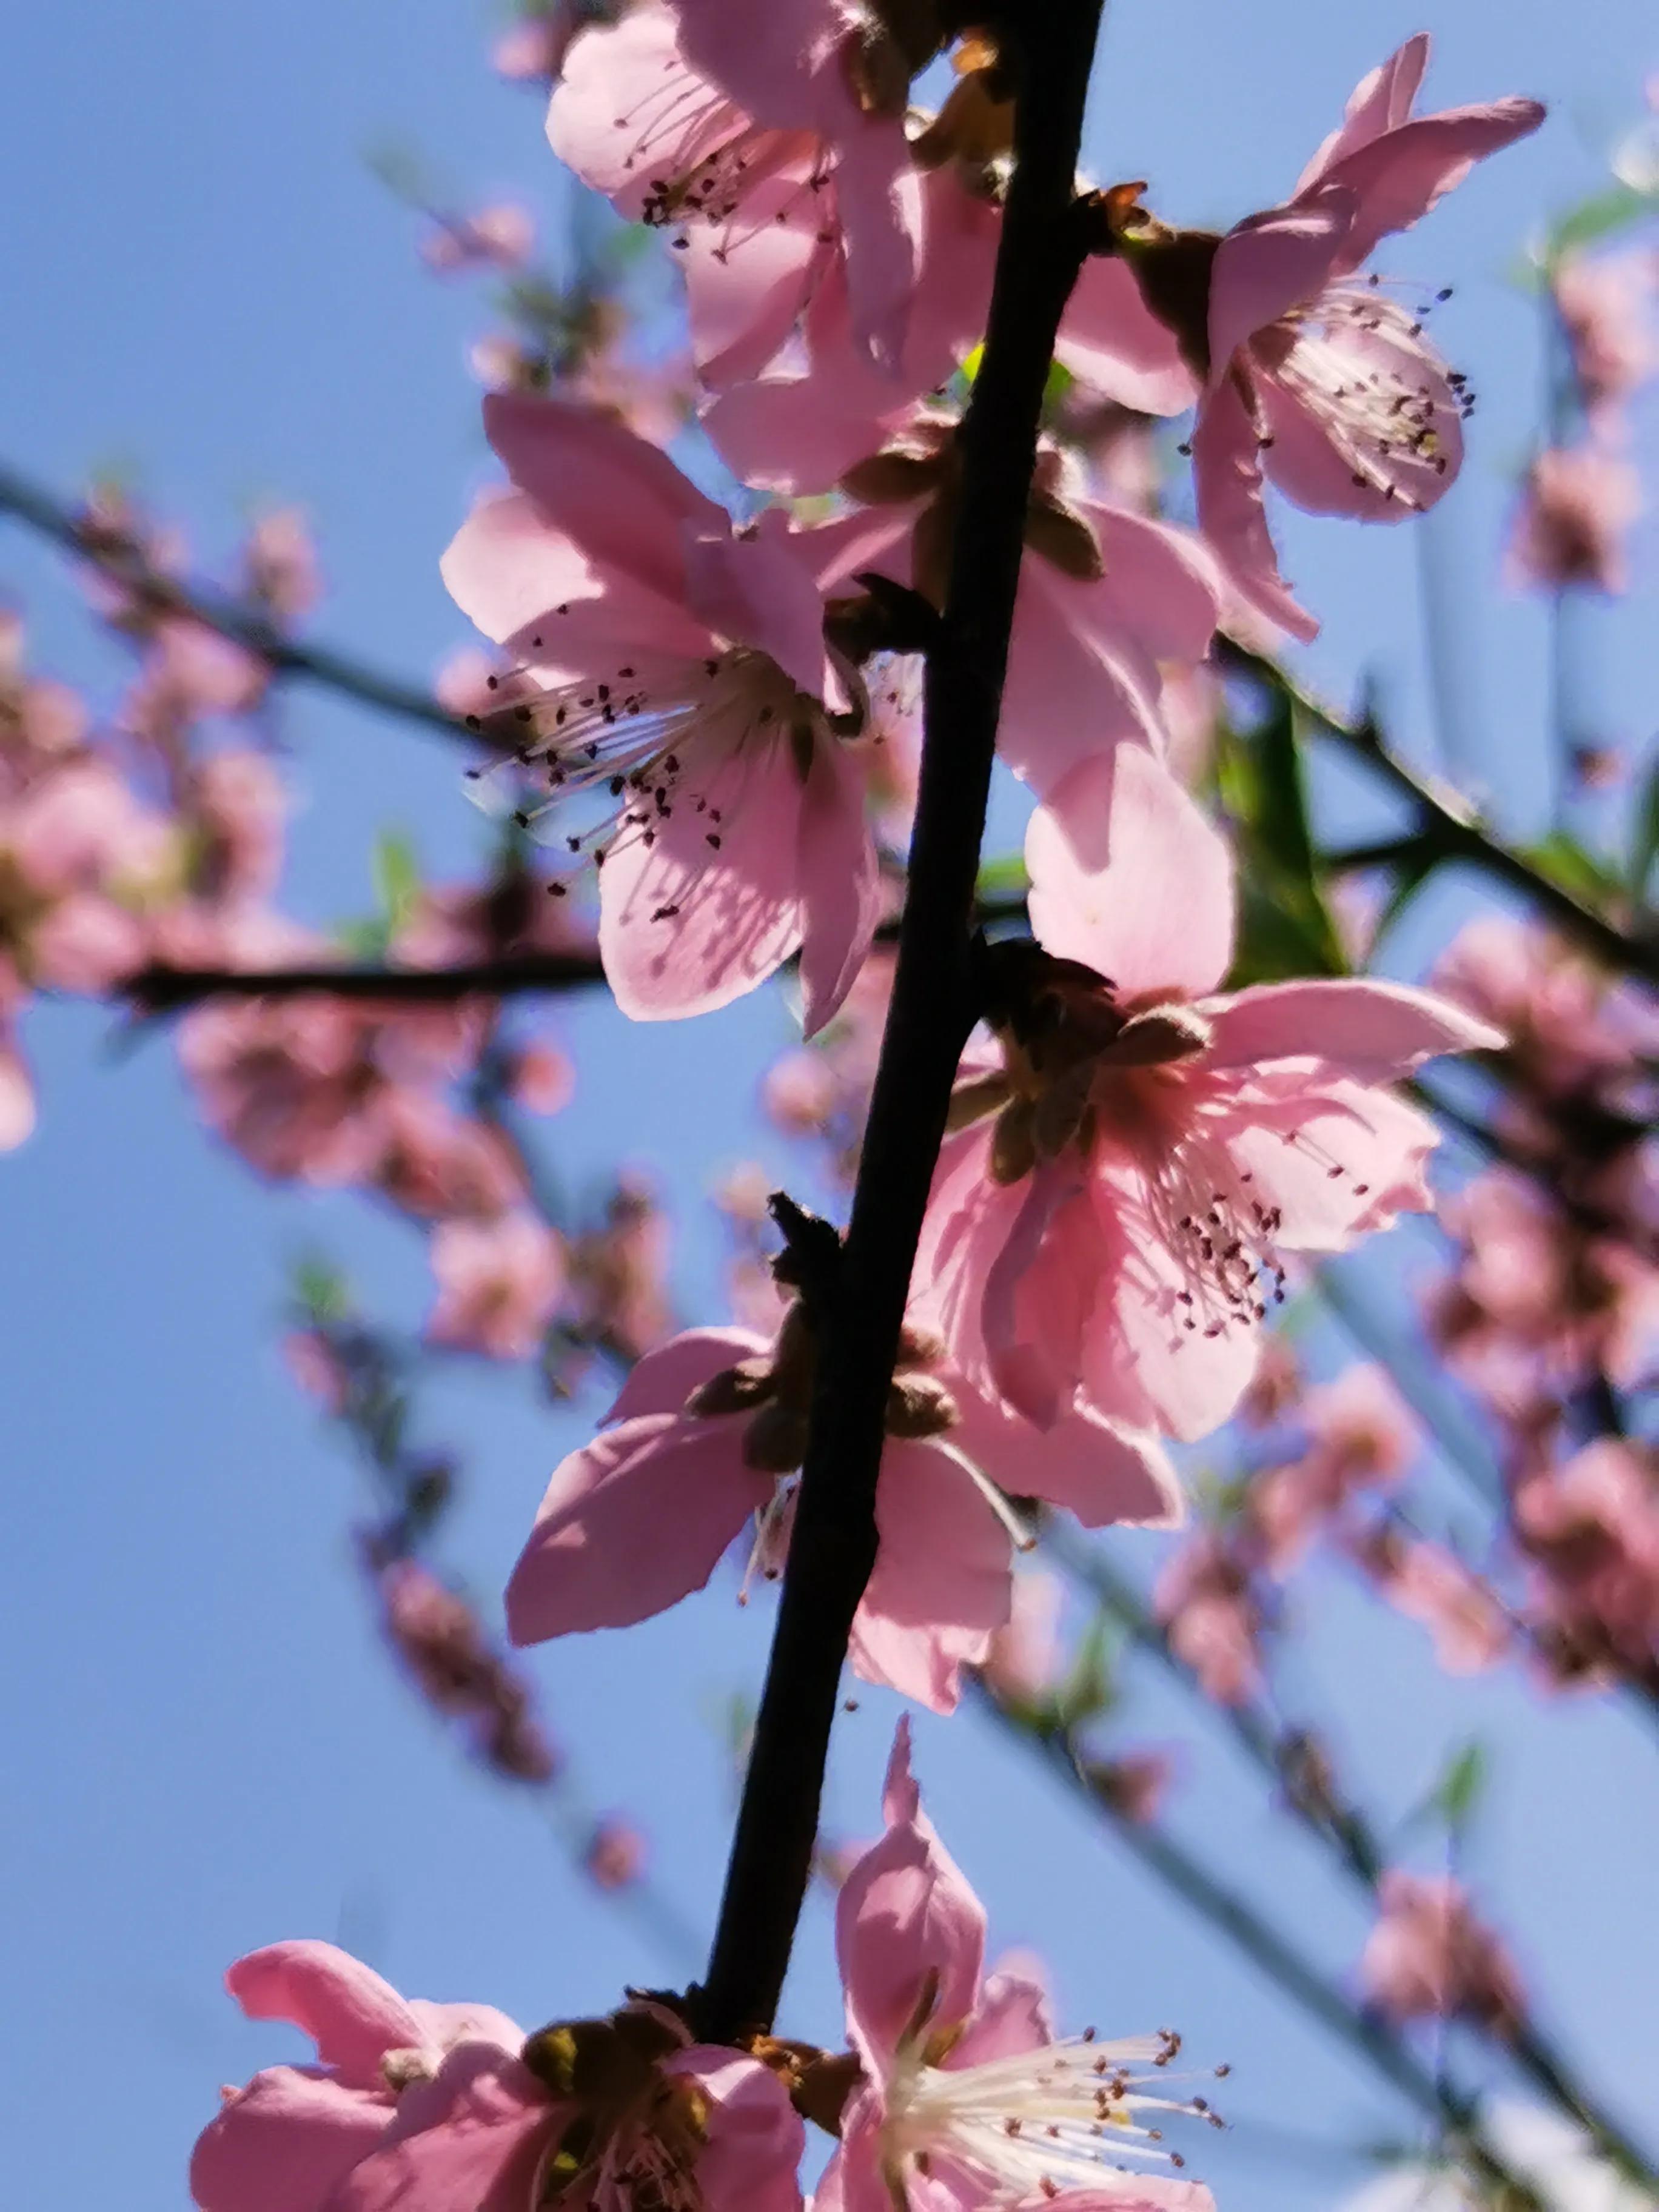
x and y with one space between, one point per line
1050 44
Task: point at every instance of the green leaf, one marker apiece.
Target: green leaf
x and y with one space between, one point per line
1594 219
1087 1689
1004 877
1561 857
1645 837
320 1291
397 874
1285 927
1460 1789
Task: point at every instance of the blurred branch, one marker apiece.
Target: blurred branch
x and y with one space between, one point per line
162 989
1448 827
1295 1762
245 624
1452 2112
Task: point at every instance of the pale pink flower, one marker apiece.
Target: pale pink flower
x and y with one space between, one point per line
240 807
614 1855
682 668
741 131
279 563
698 1444
1023 1661
618 1273
1430 1957
16 1092
1206 1601
1606 306
190 670
1107 599
418 2107
498 1283
445 1647
1431 1585
1310 374
1116 1236
502 236
1576 504
967 2097
1592 1528
541 1078
1360 1437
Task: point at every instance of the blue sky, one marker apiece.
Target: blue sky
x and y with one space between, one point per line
204 1747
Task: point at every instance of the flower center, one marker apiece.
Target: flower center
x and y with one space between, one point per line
1037 2121
1354 359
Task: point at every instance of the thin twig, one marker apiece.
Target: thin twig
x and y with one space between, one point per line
244 623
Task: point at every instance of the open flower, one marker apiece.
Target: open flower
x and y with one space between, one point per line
701 1441
741 129
1310 372
1116 1235
679 668
418 2107
967 2100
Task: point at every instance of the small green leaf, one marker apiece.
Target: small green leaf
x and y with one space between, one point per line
1087 1689
1644 837
1460 1789
1595 219
1003 878
1565 861
320 1291
397 875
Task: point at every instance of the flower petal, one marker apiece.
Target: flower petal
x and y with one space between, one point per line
284 2142
756 592
839 880
907 1924
1381 101
1227 483
664 1379
1372 1030
632 1523
755 2137
1128 877
1267 264
352 2016
1397 177
476 2136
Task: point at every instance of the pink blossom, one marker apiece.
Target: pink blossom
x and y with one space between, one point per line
1116 1236
498 1283
698 1443
967 2097
280 564
190 670
444 1645
1359 1437
240 809
317 1367
1592 1528
742 132
1430 1957
502 236
1205 1599
1576 505
1023 1661
541 1078
1431 1584
617 1272
1108 598
418 2107
1311 375
1606 309
614 1855
684 668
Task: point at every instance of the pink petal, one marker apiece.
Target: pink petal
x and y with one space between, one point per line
1380 101
1162 585
854 2181
1400 478
839 881
700 916
1077 684
771 57
742 304
1037 1293
1012 2016
632 1523
1269 264
475 2137
1337 1159
755 2137
1111 339
1375 1030
352 2016
922 1664
791 433
630 109
1128 877
16 1100
620 498
945 1558
1227 481
879 201
285 2143
1397 177
1102 1470
664 1379
906 1917
756 592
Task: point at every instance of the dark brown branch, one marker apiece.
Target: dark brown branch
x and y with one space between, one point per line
160 990
245 624
1051 44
